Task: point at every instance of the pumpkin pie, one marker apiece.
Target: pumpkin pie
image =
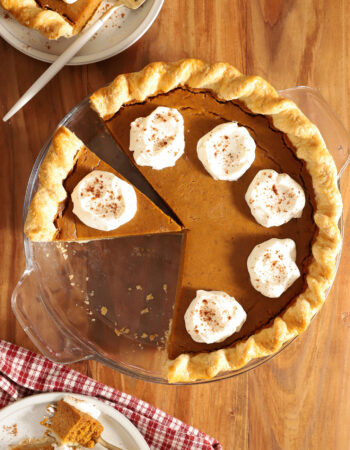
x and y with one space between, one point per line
220 230
50 216
52 18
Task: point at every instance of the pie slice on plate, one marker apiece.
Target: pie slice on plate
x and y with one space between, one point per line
52 18
50 216
221 231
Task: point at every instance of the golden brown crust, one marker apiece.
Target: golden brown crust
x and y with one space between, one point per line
49 23
58 162
228 83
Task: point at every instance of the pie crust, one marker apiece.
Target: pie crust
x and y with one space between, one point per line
227 84
58 163
28 12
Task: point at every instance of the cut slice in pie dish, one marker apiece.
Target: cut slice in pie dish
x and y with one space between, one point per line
50 216
52 18
221 230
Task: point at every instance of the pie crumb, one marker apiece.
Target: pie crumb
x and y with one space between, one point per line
153 336
165 288
104 310
10 429
145 311
149 297
122 331
139 287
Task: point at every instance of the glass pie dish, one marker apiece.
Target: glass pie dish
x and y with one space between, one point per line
94 300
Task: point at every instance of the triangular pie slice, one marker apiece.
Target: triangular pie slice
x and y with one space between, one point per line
52 18
50 216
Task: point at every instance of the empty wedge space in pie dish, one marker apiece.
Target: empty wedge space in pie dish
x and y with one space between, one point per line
113 299
102 292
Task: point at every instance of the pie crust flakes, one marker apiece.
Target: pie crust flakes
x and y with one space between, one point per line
259 97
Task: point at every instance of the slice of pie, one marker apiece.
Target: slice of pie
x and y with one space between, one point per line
50 216
52 18
221 232
72 425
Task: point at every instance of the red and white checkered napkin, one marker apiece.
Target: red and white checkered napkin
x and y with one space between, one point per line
23 373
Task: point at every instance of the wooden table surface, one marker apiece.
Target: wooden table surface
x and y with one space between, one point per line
300 399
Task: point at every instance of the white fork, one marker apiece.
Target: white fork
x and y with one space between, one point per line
68 54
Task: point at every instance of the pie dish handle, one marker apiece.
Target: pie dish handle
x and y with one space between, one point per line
32 314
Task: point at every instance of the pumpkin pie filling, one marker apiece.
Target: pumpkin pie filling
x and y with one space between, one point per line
220 230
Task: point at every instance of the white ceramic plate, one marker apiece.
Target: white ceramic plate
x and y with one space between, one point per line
118 430
121 31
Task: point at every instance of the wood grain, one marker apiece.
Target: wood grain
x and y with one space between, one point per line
300 399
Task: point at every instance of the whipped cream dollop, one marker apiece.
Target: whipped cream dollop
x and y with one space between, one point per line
274 198
227 151
69 1
103 201
272 268
213 316
83 406
158 140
